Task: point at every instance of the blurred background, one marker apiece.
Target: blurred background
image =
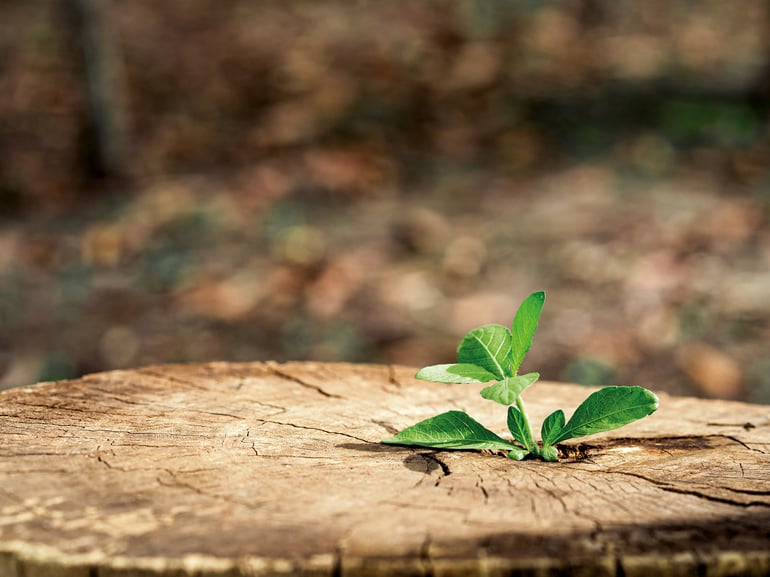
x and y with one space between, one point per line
192 180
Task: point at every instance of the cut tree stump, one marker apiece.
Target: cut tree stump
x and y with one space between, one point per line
265 469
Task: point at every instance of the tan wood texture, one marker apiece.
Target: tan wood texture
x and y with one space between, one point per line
265 469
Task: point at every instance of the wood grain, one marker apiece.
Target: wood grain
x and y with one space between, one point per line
264 469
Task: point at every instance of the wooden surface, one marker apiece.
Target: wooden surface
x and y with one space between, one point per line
257 469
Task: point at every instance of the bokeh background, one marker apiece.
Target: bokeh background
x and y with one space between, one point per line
194 180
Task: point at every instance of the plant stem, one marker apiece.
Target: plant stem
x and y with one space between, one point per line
531 445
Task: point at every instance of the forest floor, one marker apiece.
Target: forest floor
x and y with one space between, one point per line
662 282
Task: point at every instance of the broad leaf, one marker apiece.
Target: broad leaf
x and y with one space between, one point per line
518 428
450 430
506 391
457 373
607 409
524 327
488 347
552 426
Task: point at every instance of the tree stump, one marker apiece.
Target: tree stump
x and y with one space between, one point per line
265 469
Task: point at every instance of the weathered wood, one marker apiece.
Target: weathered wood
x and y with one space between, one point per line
263 469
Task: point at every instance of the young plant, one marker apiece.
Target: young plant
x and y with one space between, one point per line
493 354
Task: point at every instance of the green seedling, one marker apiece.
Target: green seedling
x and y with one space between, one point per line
491 355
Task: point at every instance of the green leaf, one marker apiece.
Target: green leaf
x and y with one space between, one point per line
552 426
450 430
549 453
607 409
517 454
488 347
457 373
517 425
524 327
506 391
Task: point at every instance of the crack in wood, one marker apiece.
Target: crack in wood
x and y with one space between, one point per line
106 463
585 452
172 408
61 407
318 429
743 444
387 426
248 440
693 493
67 427
179 484
129 432
550 492
109 394
278 408
554 495
748 492
149 372
205 412
480 485
43 470
714 498
746 425
273 367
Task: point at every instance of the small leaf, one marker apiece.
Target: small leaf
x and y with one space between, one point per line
506 391
607 409
518 428
549 453
457 373
524 327
552 426
450 430
517 454
499 392
488 347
